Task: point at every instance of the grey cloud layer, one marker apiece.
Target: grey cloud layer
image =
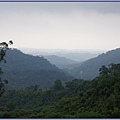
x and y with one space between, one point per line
61 25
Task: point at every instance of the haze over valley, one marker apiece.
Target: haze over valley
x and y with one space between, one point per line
44 69
63 58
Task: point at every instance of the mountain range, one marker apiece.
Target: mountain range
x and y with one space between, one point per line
60 62
76 55
23 70
90 68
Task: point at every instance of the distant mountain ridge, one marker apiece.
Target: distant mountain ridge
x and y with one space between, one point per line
90 68
23 70
60 62
76 55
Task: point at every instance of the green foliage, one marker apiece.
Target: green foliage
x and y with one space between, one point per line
97 98
104 70
3 49
57 85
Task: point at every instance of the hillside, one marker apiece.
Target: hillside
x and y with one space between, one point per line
60 62
23 70
97 98
90 68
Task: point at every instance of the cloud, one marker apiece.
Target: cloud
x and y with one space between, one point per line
64 25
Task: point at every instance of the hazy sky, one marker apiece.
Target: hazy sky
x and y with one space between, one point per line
61 25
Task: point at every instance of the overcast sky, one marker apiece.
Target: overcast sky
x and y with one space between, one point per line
61 25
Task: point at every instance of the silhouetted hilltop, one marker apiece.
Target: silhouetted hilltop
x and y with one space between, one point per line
60 62
90 68
22 70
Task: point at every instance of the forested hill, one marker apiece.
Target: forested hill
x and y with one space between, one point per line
97 98
23 70
90 68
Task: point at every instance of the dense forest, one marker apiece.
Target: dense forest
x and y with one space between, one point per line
96 98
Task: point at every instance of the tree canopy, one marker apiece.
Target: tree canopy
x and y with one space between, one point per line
3 48
97 98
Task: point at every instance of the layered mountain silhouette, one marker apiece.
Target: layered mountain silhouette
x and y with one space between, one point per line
90 68
60 62
23 70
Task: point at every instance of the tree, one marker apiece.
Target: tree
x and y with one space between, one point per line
57 85
3 48
111 68
104 70
114 67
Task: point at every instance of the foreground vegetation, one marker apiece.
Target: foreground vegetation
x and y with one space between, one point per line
97 98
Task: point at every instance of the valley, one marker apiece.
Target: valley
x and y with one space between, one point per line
44 87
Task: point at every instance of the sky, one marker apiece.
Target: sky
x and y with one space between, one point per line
61 25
